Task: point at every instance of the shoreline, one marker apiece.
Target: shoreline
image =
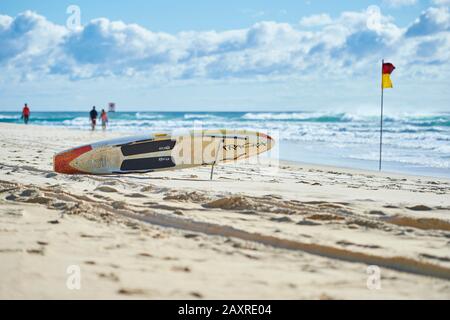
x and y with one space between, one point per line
302 232
389 167
397 174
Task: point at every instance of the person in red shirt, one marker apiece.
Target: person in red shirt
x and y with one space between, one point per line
26 114
104 118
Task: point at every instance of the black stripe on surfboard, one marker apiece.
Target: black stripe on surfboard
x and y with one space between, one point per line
130 172
226 137
147 164
147 147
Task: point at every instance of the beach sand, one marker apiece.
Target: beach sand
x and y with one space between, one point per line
299 232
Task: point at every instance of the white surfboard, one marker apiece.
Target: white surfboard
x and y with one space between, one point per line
162 151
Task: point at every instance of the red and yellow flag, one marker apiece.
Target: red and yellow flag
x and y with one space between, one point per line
388 68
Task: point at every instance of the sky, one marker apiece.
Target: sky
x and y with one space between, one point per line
253 55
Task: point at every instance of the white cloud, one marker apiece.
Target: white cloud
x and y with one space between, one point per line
431 21
441 2
400 3
354 42
316 20
29 43
5 21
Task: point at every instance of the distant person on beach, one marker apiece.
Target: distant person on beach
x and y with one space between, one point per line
104 118
26 114
93 115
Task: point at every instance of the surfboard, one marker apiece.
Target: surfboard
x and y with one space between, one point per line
162 151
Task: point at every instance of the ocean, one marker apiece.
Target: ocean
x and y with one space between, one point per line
413 143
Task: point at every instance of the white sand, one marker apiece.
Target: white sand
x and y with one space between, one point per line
301 232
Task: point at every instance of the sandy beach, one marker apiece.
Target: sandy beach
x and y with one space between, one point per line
298 232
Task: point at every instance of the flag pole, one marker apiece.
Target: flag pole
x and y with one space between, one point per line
381 121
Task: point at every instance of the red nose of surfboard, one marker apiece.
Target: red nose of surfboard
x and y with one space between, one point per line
61 162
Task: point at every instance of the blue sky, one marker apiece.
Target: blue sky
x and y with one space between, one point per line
227 55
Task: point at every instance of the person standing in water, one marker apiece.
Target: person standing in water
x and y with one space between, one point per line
26 114
93 115
104 118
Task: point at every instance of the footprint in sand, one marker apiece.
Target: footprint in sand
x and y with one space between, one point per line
106 189
145 254
30 196
132 292
308 223
188 196
136 195
281 219
345 243
50 175
147 188
419 207
39 200
99 196
119 205
29 193
325 217
110 183
377 213
196 295
60 205
39 251
181 269
109 276
191 235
